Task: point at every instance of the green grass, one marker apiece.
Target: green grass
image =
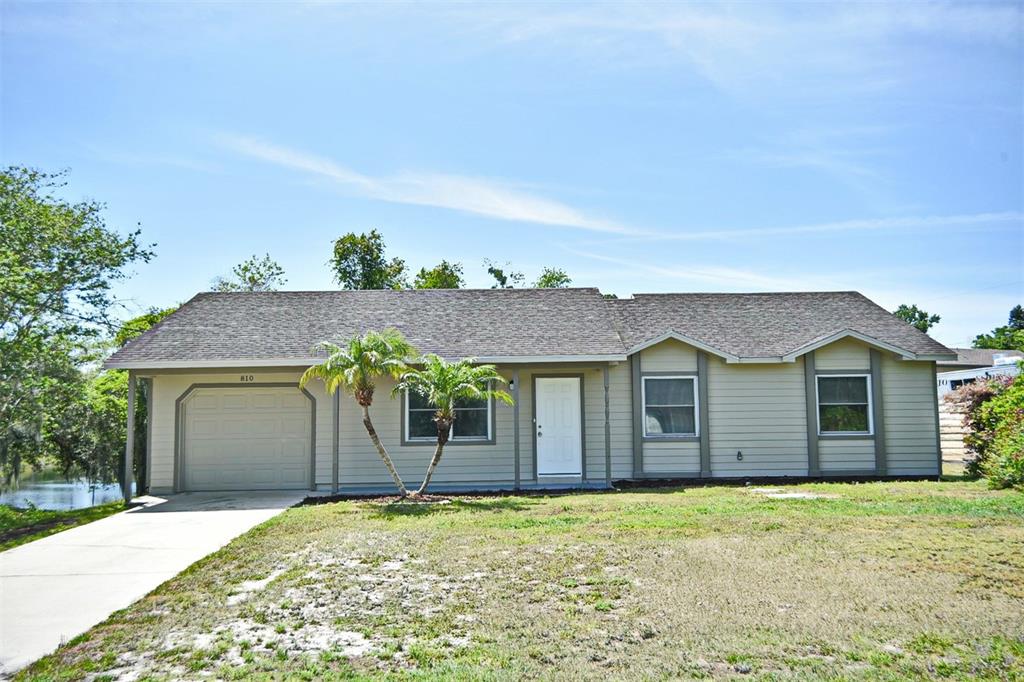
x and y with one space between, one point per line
18 526
885 581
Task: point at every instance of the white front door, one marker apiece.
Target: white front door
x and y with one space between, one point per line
559 427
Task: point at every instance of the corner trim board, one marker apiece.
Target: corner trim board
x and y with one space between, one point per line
704 414
811 400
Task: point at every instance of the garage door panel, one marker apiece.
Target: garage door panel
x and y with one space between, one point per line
247 439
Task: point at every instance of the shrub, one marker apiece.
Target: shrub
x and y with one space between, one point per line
994 413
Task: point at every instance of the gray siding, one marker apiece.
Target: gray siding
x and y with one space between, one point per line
758 410
909 399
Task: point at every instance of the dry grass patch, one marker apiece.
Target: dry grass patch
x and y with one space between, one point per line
855 581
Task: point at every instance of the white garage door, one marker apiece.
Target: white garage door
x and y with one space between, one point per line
247 438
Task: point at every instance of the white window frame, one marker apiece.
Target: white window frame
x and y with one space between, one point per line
871 404
696 405
452 437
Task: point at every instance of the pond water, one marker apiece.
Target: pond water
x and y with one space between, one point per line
54 492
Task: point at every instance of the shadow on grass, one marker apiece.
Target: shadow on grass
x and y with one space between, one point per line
495 504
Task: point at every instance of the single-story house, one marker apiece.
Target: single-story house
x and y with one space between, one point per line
654 386
977 358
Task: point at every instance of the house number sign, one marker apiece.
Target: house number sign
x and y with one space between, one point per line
245 378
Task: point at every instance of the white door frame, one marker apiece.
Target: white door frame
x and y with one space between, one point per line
583 439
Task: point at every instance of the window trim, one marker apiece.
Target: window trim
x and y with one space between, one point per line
695 435
453 440
870 405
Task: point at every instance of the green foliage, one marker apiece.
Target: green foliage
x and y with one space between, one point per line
553 278
994 411
136 326
503 279
916 317
57 263
1008 337
363 359
443 384
359 262
18 526
254 274
445 275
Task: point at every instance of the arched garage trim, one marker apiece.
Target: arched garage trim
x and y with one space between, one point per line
179 427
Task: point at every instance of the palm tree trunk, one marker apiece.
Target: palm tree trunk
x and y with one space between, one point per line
383 453
430 467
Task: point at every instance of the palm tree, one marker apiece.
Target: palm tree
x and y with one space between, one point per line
443 384
355 366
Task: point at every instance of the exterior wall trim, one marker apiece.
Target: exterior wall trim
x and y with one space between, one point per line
583 420
811 400
179 427
704 429
335 442
515 429
881 465
607 427
149 433
938 433
638 443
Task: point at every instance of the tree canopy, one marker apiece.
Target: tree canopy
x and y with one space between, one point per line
916 317
58 262
359 262
553 278
1008 337
503 277
444 275
254 274
137 325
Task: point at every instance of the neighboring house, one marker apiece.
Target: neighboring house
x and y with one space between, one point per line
971 364
977 358
656 386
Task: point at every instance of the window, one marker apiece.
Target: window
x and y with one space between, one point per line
472 419
670 406
844 404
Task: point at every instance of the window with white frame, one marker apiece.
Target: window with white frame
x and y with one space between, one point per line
844 404
472 419
670 406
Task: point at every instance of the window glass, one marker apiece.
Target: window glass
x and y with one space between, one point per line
843 405
670 406
471 418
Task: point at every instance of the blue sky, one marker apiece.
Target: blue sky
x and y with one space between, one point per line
672 147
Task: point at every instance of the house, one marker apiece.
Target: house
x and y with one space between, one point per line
655 386
977 358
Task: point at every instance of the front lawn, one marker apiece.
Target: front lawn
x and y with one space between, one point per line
18 526
878 581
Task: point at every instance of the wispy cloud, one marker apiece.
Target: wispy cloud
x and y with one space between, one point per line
480 196
968 220
715 276
754 50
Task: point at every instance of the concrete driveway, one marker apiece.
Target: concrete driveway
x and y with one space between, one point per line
58 587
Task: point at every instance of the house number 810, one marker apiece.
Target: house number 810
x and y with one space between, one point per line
247 377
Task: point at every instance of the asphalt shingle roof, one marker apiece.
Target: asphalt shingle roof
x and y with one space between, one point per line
505 323
453 323
764 325
979 357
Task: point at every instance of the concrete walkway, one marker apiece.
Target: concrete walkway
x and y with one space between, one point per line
58 587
